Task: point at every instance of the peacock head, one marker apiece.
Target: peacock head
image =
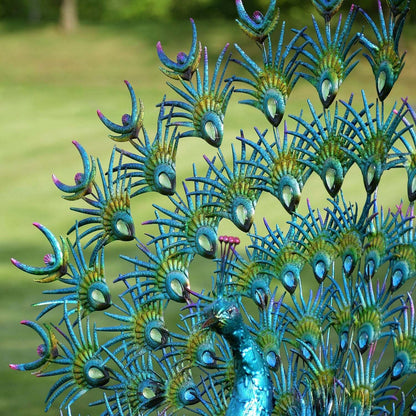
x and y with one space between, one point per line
222 316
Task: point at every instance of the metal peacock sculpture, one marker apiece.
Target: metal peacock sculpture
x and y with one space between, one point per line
317 317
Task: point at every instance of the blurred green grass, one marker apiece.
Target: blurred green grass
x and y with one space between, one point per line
50 87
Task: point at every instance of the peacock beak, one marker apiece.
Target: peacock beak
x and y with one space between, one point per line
210 321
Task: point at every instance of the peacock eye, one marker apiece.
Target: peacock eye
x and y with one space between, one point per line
231 310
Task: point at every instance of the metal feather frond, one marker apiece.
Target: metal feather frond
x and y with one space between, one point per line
288 399
305 320
280 170
281 254
259 26
85 286
193 223
364 390
138 387
271 85
141 324
131 123
410 154
186 64
163 273
194 346
323 144
80 365
154 163
56 264
327 8
403 252
330 60
213 399
251 278
233 188
383 56
314 237
110 212
321 375
342 302
269 331
372 138
83 180
180 389
375 313
117 407
404 342
383 232
347 232
205 104
398 7
47 351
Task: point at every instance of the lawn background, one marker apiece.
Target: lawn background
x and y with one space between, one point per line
51 84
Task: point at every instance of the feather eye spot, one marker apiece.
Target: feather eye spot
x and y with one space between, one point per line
95 373
176 283
413 408
363 341
370 268
329 84
176 287
320 270
326 89
274 106
99 296
242 214
211 131
397 370
411 185
287 195
330 178
98 375
164 180
148 393
190 396
343 340
397 279
348 264
371 172
381 81
206 242
305 351
208 358
272 359
123 226
158 336
289 281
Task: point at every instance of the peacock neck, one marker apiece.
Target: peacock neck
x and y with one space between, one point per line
239 338
252 393
247 355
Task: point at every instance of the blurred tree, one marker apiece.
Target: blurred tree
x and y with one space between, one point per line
133 10
69 15
35 11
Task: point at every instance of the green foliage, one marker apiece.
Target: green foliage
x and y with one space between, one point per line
128 10
139 10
